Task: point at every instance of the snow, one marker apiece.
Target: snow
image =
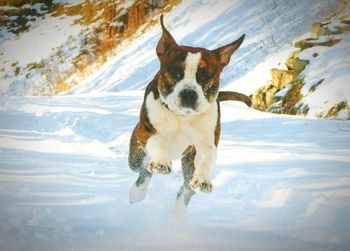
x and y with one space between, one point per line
37 7
332 66
46 35
260 74
280 182
93 148
269 30
69 2
30 46
277 199
5 8
39 110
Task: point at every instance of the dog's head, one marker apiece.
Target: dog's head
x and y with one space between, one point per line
189 76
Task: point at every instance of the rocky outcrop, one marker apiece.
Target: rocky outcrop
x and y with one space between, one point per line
265 97
283 93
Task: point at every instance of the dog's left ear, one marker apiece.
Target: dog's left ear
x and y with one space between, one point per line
166 41
226 51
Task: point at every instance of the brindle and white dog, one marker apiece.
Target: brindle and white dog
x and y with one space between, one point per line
180 116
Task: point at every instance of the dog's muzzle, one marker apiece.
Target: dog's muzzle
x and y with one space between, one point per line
188 98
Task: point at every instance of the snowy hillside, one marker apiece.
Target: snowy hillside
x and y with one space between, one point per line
269 29
270 36
46 47
328 75
280 183
314 79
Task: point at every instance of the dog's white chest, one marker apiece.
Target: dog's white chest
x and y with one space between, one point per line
176 132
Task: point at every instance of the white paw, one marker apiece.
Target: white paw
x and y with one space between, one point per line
179 211
201 185
139 192
161 167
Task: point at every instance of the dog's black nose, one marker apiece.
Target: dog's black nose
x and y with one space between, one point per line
188 98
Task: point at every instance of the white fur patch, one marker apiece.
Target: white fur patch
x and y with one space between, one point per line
180 205
192 61
176 132
138 193
188 82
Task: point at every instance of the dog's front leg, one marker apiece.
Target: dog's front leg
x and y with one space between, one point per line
204 161
157 150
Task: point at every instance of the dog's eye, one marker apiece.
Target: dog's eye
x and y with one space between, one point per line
203 75
176 72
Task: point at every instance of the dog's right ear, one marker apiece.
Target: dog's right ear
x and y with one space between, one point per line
165 42
226 51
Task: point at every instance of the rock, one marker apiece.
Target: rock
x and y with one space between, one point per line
291 58
293 96
299 66
295 64
315 29
281 77
137 15
283 93
309 43
264 97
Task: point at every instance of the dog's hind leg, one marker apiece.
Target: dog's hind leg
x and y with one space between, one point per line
139 190
137 162
186 192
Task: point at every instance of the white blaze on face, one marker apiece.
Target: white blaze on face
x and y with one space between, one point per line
188 82
192 61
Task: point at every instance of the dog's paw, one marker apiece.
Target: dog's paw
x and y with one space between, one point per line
138 193
160 167
201 185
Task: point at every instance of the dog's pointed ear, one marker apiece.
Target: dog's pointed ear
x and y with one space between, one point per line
226 51
166 41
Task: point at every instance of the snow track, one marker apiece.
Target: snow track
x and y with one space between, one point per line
280 182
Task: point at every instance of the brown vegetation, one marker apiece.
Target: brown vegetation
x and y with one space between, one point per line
105 25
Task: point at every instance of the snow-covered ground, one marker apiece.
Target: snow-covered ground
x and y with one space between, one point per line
280 183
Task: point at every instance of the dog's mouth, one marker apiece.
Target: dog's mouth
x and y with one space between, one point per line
185 102
176 107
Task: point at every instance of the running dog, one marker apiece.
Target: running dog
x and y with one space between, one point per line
180 116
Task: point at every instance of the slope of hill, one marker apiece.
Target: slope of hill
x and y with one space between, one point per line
315 79
119 38
269 28
269 41
47 46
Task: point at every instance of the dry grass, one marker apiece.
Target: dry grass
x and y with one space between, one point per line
334 111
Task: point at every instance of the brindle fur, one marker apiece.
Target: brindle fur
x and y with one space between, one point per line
234 96
187 164
163 81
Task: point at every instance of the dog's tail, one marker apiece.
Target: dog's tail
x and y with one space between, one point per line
234 96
